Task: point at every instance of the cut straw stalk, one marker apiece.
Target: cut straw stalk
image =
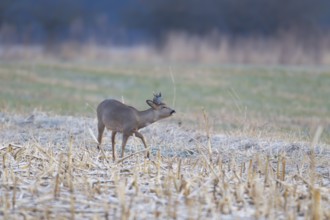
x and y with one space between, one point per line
250 173
266 171
57 179
174 87
207 129
312 166
131 155
14 192
283 169
70 175
317 213
278 167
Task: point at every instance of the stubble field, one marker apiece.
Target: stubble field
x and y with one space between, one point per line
246 142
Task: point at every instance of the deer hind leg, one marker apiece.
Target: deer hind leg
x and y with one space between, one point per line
100 127
125 138
139 135
113 143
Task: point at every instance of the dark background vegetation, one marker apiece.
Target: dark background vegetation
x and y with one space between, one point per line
130 22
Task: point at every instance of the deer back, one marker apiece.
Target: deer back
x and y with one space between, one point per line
116 115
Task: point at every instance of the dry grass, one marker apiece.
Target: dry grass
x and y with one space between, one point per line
288 48
52 170
255 101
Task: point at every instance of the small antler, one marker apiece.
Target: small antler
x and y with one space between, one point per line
157 98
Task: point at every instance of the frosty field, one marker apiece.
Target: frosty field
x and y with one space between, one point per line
246 142
51 169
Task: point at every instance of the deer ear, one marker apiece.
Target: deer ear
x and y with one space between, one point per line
151 104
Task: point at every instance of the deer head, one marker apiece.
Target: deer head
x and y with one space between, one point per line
158 105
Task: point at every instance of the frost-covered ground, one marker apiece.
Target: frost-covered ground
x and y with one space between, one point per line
50 168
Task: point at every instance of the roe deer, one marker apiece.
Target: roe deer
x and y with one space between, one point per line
118 117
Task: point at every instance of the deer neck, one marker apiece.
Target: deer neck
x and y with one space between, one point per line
147 117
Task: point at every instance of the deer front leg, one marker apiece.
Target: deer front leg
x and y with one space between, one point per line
125 138
100 127
139 135
113 138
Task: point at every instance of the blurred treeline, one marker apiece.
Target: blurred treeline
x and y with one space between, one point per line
132 21
210 31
